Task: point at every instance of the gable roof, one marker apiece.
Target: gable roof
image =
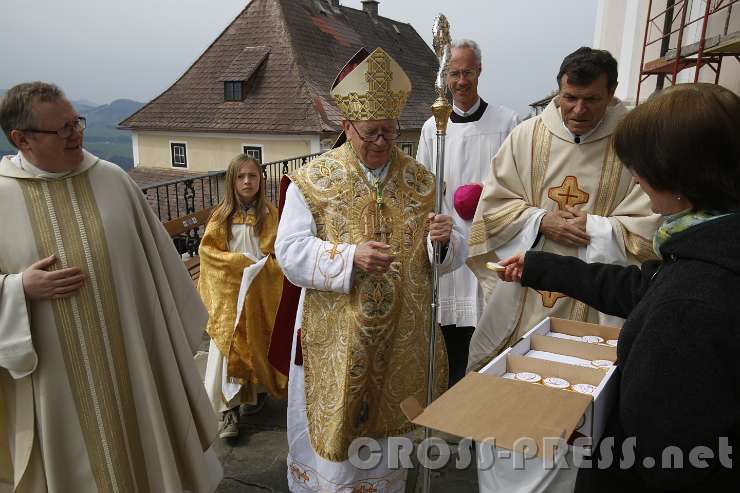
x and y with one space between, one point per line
289 51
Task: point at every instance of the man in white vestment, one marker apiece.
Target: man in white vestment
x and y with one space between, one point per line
475 132
356 234
99 321
556 185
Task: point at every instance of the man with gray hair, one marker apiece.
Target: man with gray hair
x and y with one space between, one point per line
474 134
99 321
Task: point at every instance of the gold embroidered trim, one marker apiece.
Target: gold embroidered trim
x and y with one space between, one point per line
611 171
495 222
379 102
321 277
639 247
66 223
309 480
579 311
101 279
541 139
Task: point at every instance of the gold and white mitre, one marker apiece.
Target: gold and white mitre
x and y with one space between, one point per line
371 87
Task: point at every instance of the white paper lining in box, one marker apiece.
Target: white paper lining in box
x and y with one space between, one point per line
560 358
570 329
560 335
597 413
563 336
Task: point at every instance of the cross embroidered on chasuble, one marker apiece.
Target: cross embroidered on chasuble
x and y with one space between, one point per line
568 193
549 298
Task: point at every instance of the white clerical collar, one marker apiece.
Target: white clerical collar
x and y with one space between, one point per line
472 109
22 162
375 175
581 138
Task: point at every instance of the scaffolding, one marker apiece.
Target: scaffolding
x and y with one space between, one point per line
668 27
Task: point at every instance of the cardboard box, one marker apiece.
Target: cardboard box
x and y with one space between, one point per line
485 406
575 328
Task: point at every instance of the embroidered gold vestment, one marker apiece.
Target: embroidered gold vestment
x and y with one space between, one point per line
244 345
366 351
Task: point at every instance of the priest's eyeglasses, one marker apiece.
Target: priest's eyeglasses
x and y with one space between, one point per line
373 136
78 125
462 74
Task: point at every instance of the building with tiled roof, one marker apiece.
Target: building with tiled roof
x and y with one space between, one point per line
262 87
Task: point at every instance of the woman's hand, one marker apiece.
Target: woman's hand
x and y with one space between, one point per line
514 268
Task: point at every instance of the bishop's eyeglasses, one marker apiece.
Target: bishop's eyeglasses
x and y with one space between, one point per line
77 125
375 134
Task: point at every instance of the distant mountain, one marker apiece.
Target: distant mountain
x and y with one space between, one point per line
111 114
83 107
85 102
102 137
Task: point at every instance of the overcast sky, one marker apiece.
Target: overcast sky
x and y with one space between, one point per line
101 50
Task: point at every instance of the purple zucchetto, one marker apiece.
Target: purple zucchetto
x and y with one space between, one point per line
466 200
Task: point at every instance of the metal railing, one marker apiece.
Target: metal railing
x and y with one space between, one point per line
177 198
273 172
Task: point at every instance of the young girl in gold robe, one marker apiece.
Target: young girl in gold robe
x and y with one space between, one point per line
241 285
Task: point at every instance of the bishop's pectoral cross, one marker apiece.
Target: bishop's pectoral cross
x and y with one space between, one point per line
375 222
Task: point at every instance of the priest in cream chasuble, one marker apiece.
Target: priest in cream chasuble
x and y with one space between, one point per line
98 388
543 167
355 234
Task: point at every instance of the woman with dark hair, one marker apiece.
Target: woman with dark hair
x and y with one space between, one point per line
678 411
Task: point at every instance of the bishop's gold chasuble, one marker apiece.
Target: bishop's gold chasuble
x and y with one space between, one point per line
366 351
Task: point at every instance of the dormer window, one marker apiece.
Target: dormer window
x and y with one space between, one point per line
241 76
233 90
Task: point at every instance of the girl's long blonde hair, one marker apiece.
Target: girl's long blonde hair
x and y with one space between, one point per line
225 210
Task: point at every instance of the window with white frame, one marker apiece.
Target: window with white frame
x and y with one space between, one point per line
407 147
253 152
178 151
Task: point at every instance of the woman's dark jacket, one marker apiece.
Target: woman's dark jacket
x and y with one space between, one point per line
678 355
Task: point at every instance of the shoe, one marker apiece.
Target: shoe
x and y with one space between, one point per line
252 409
230 424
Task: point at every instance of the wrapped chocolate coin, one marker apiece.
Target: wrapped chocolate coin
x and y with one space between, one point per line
584 388
556 383
592 339
526 376
603 364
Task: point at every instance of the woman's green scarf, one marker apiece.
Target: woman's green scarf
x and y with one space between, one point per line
679 222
